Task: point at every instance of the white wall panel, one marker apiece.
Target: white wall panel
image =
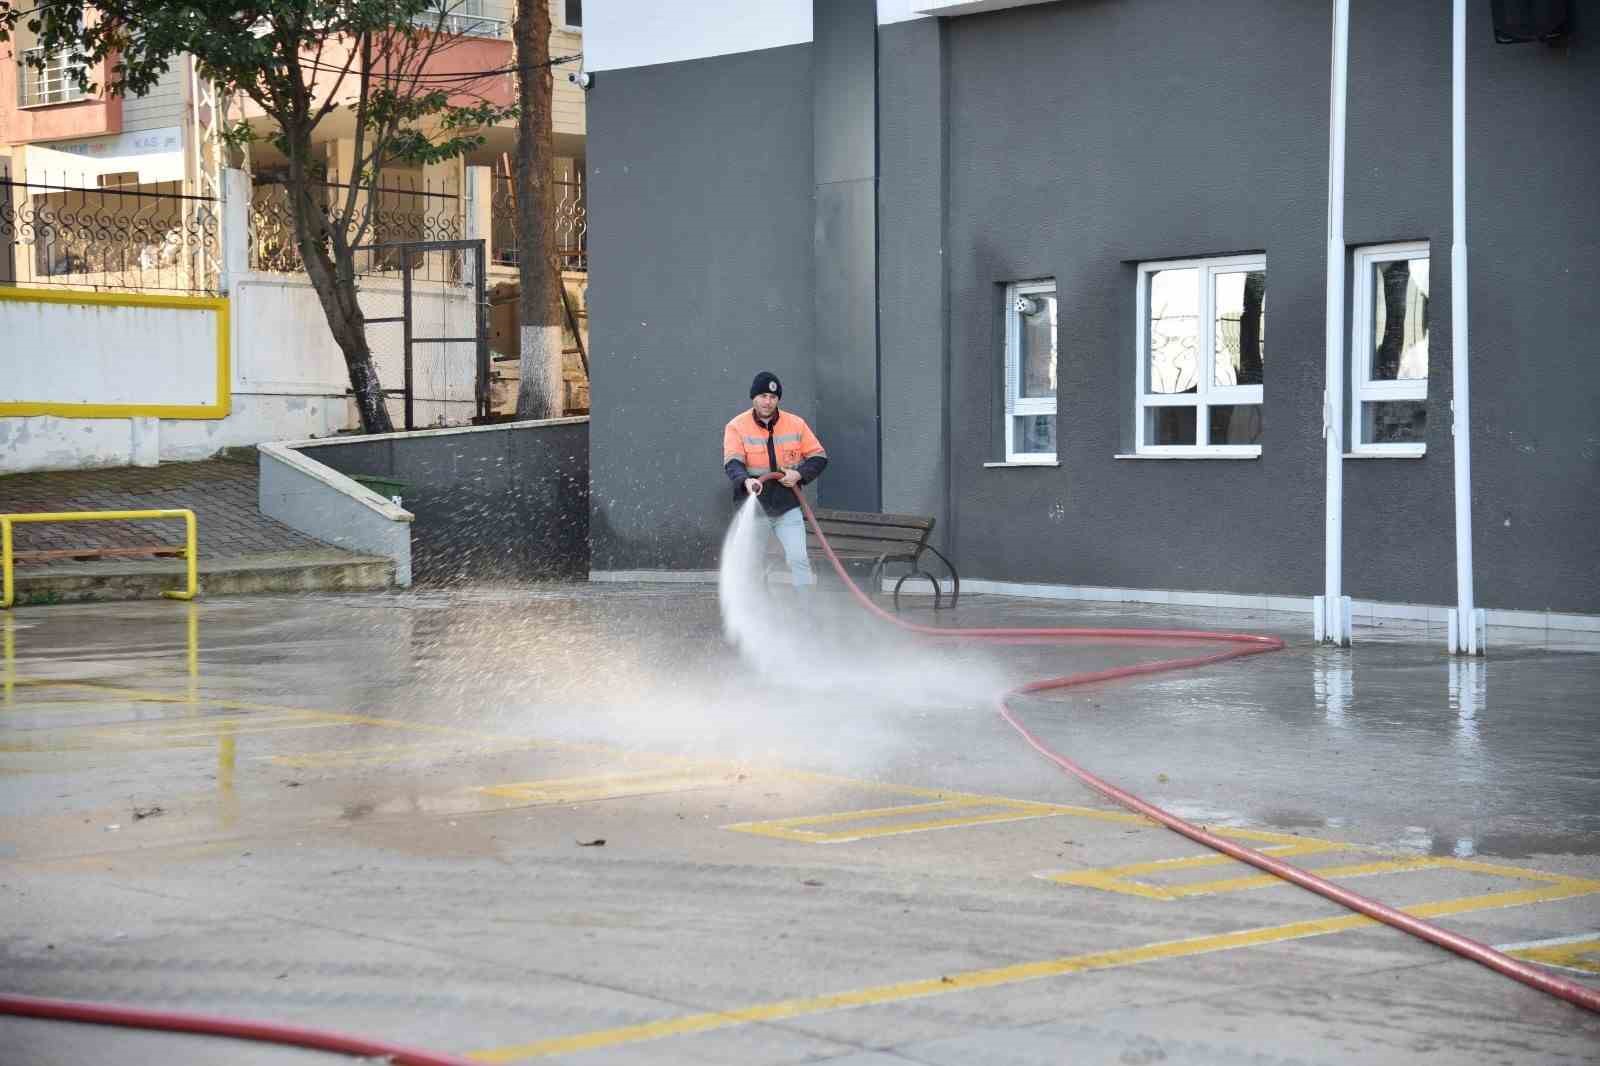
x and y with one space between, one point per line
639 33
109 354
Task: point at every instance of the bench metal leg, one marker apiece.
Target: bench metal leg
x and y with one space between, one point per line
955 593
937 592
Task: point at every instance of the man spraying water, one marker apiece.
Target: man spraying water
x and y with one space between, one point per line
765 440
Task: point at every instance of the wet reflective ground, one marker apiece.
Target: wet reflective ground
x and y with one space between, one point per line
380 813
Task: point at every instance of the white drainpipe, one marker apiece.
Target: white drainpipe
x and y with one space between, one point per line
1332 608
1466 621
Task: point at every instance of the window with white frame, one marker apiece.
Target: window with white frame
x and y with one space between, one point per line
1030 315
48 78
572 14
1201 349
1389 349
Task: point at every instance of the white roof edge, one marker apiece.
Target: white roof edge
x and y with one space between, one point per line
624 34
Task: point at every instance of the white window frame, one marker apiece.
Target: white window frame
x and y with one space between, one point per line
54 83
1362 388
1022 406
566 24
1206 394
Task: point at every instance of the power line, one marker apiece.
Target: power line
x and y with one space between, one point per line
461 75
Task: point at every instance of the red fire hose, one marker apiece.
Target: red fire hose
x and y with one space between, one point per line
1240 644
67 1010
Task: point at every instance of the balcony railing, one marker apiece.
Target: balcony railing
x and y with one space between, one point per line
403 209
461 22
571 224
55 82
155 237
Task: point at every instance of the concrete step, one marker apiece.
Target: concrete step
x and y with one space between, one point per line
126 579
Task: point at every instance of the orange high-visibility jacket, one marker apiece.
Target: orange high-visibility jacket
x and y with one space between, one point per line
750 449
784 445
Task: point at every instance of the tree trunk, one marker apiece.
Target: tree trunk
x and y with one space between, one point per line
539 394
333 279
348 325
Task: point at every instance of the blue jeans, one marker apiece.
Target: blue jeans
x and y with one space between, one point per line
790 529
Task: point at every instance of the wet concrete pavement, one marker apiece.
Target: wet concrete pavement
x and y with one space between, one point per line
380 814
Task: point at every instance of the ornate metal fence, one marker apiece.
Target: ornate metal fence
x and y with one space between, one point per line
405 210
143 237
571 223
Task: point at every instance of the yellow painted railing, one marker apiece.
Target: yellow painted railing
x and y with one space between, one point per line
8 595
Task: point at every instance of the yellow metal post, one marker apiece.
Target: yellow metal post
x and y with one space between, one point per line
8 627
7 590
189 558
190 542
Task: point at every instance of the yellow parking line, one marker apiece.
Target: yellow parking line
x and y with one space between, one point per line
379 753
1120 879
1580 954
156 696
1006 975
593 787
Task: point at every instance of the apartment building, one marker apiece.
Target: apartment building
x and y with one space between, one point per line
57 143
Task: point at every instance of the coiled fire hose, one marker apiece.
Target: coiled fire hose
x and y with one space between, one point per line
1241 644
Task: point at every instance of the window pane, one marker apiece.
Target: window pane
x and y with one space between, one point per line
1393 422
1036 336
1034 435
1235 423
1399 291
1174 331
1241 309
1169 425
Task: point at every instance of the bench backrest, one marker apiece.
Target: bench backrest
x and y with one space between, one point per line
866 532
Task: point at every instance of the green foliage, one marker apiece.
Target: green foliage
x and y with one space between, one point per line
370 57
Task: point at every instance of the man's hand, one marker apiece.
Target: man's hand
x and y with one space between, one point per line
790 479
752 485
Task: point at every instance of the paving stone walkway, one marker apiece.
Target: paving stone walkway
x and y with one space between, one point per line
221 492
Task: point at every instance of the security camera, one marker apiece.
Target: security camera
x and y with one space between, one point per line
581 78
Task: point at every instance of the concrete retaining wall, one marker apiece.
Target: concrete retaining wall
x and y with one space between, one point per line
317 500
509 500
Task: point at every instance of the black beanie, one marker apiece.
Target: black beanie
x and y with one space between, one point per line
766 381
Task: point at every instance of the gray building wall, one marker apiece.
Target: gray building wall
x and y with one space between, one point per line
1073 141
1533 228
913 354
494 502
700 189
1399 524
844 117
1083 139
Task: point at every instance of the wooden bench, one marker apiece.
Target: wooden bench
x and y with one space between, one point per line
882 539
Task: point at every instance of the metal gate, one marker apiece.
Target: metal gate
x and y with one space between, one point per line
426 306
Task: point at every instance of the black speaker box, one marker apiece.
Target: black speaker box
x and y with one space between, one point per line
1519 21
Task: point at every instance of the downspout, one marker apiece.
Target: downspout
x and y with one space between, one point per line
1465 620
1332 613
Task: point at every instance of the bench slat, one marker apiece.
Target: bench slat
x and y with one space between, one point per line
868 518
897 534
863 544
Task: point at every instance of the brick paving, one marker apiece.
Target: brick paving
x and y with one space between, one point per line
221 492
